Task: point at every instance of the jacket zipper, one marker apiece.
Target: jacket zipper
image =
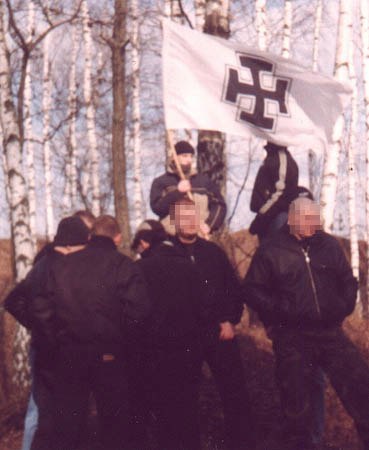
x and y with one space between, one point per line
307 260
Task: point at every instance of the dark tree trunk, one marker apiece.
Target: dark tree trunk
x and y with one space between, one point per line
118 127
211 157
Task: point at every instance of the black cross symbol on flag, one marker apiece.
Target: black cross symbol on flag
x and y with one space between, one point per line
262 97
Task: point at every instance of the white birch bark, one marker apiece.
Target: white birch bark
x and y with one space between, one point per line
330 174
200 7
317 27
287 27
17 192
46 107
352 175
28 133
261 23
90 111
70 194
175 12
136 114
364 21
167 8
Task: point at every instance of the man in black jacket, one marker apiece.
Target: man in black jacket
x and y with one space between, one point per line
302 286
222 308
168 188
93 298
170 340
274 188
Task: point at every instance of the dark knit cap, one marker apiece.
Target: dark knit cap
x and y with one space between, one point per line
274 147
151 231
71 231
304 192
184 147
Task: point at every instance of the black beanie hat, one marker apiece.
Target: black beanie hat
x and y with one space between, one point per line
151 231
71 231
184 147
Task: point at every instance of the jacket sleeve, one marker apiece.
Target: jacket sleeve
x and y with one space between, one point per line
18 301
132 292
162 197
217 207
16 304
233 302
257 288
348 283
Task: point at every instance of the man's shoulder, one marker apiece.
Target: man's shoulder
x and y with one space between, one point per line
165 178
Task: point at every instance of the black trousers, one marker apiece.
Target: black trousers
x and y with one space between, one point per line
224 360
62 391
165 390
297 355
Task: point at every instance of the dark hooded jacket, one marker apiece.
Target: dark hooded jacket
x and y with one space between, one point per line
164 193
300 284
274 188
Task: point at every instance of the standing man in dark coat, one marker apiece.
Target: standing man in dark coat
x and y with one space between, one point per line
222 305
302 286
170 340
93 298
169 188
274 188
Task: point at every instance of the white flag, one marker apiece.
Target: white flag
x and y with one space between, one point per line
210 83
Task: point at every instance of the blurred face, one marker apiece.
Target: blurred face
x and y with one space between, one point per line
185 161
304 219
186 221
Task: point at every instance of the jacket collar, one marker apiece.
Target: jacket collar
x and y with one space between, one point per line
102 242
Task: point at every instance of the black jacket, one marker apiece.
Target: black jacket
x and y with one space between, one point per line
222 300
164 193
92 299
174 288
304 284
274 188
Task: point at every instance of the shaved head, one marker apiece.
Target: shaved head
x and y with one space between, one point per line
304 217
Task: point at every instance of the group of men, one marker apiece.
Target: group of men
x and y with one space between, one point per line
135 334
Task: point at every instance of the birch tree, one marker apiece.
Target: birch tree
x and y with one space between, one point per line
90 110
352 172
23 249
330 174
287 27
28 131
70 194
211 158
200 8
261 24
136 114
317 27
364 21
46 107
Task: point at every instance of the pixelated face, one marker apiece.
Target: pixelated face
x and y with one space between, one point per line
304 220
185 161
186 220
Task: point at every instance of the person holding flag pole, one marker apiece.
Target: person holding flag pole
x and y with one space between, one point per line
181 180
